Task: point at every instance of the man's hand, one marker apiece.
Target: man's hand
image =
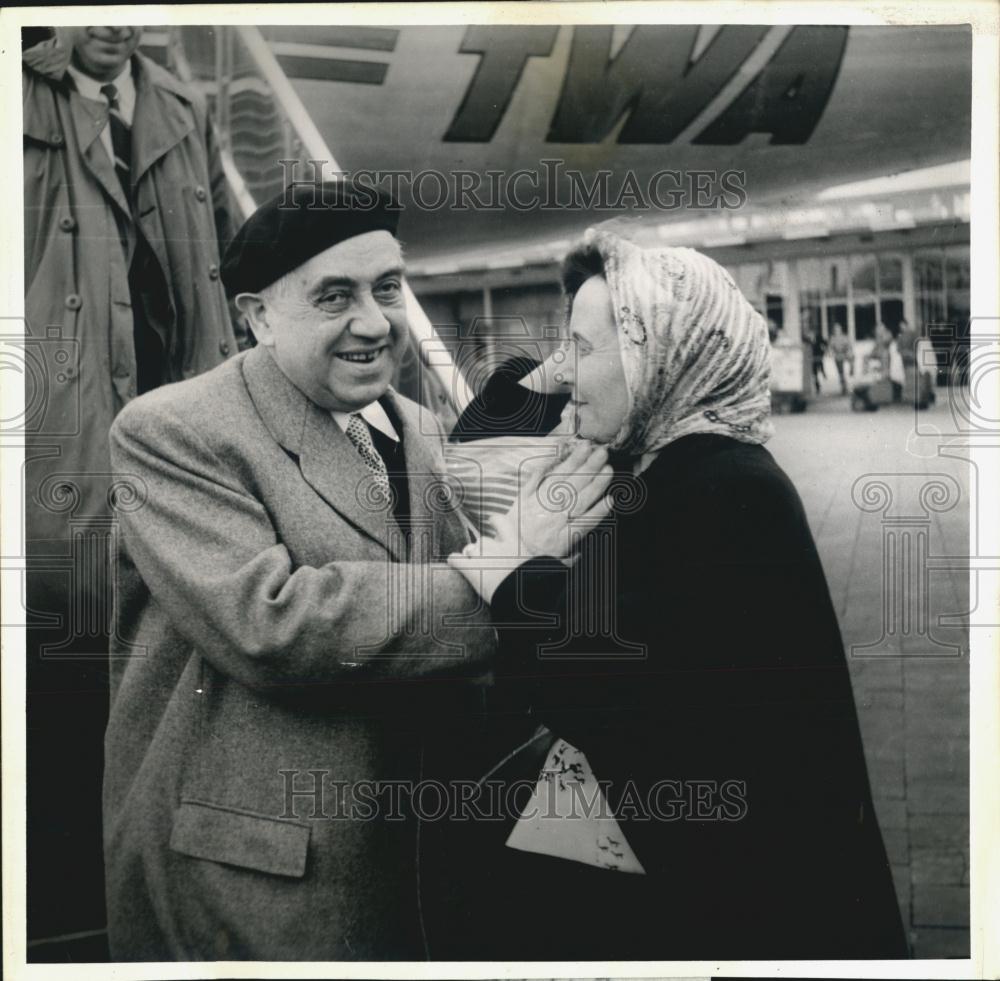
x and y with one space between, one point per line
556 506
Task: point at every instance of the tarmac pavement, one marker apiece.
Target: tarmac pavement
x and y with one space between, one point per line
889 509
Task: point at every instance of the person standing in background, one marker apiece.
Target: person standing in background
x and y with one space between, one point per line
906 342
908 378
125 205
813 336
883 342
843 353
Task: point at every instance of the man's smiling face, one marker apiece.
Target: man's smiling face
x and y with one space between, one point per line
101 52
337 325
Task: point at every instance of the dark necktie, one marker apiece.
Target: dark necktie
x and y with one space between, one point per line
121 140
145 281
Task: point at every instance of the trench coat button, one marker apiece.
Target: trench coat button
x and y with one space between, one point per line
200 193
73 301
213 271
224 347
57 139
67 224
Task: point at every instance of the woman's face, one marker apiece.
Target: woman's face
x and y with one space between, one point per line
592 365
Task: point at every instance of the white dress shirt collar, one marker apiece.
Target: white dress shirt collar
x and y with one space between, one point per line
90 88
374 415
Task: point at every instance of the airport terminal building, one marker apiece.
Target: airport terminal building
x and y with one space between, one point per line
884 250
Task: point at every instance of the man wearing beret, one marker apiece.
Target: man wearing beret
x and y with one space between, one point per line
289 641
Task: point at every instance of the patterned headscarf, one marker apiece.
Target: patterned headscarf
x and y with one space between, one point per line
696 354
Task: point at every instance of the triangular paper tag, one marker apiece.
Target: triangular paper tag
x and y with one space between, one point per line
568 816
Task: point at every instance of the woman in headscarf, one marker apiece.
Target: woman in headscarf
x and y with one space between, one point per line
677 639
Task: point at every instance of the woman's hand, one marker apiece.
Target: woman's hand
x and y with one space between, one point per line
556 505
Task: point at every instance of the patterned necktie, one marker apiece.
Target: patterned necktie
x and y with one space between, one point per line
121 140
358 433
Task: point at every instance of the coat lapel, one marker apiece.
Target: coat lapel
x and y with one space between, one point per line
432 506
162 117
327 459
332 465
89 119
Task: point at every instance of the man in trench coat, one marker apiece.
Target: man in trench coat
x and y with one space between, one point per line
289 643
80 232
122 292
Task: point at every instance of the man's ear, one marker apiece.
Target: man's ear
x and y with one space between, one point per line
254 308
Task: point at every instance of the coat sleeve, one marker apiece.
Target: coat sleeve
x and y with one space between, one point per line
211 559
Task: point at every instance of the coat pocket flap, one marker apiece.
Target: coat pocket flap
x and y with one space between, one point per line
251 841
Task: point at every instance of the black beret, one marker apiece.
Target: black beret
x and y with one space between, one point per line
300 222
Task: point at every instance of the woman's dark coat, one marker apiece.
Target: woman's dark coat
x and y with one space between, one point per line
725 682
